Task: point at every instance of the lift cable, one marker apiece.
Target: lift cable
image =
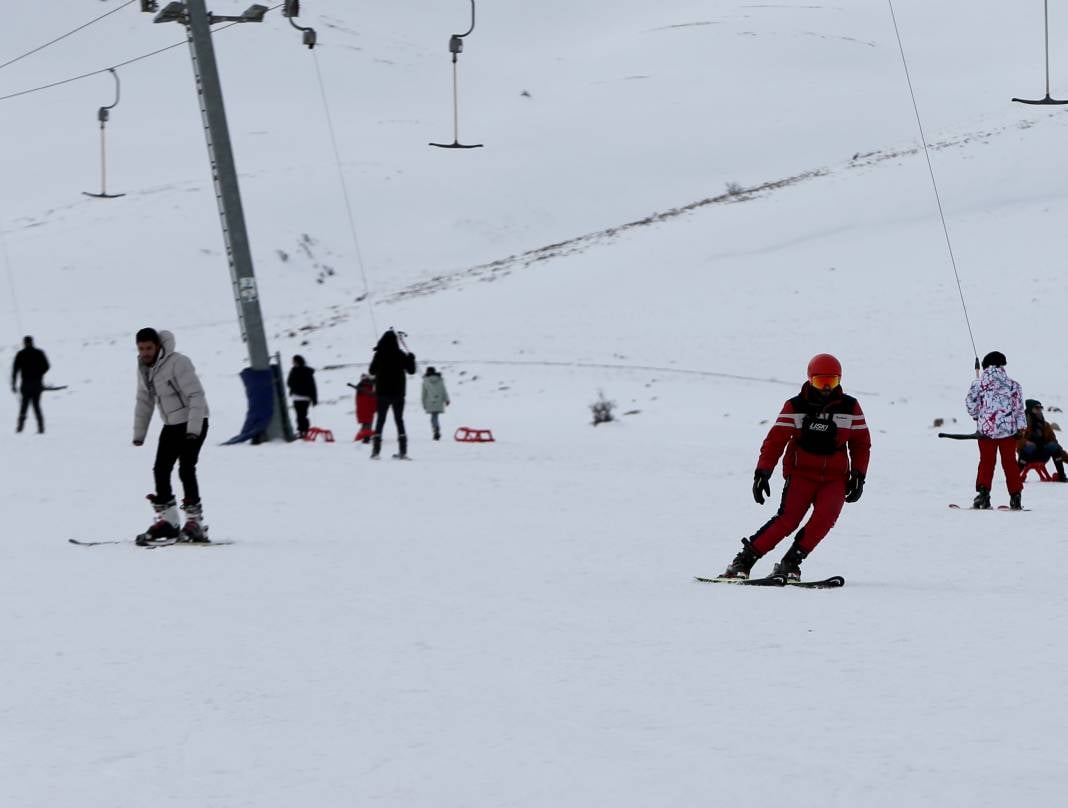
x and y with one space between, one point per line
69 33
345 193
182 44
934 183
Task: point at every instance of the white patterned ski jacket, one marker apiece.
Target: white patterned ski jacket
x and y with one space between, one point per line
996 402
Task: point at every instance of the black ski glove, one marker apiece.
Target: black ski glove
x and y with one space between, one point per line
761 488
855 486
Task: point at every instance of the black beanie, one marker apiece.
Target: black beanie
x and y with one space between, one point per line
1032 402
995 358
148 335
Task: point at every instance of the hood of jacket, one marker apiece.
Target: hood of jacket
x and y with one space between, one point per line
166 343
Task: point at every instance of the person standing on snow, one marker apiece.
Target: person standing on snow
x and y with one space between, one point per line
1039 442
366 405
169 380
389 367
435 398
996 403
32 363
302 390
827 445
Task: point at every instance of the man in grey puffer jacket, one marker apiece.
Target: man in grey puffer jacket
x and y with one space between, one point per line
167 379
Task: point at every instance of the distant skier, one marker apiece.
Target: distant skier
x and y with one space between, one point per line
169 380
827 446
366 404
32 364
435 399
389 367
302 391
1039 442
996 403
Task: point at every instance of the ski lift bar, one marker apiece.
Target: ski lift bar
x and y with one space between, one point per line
1047 99
456 47
291 10
102 115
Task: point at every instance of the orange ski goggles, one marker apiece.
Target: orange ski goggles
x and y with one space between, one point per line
825 381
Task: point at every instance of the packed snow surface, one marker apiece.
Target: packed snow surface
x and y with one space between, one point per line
516 623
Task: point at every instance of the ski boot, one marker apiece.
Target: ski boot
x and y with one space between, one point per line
1059 465
376 448
437 435
165 528
1015 501
194 530
402 454
743 562
790 566
982 499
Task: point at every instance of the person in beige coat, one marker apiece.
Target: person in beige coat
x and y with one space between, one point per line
167 381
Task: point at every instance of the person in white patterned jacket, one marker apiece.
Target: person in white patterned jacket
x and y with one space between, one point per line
996 403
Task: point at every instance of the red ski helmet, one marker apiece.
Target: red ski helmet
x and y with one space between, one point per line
824 372
824 365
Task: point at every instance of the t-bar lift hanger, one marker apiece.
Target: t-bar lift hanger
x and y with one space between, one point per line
291 10
456 47
102 115
1047 99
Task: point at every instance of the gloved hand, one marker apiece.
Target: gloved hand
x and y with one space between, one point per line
855 486
138 442
191 436
761 488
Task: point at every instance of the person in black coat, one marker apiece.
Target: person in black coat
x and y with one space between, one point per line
32 363
390 367
302 390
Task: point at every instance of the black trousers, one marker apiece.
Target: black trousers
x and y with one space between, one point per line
301 408
31 396
385 403
175 447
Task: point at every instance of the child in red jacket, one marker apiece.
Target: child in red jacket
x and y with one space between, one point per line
366 403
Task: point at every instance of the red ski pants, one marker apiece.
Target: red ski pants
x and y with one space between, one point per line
989 448
825 497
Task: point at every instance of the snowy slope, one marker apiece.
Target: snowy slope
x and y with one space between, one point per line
514 624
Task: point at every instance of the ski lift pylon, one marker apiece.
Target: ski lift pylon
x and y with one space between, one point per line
456 47
102 115
1048 99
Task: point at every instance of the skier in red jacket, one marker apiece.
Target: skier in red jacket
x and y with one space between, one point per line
826 443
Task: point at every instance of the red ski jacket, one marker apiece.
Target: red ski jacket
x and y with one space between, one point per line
366 402
816 438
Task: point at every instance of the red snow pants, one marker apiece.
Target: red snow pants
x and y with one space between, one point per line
988 452
825 497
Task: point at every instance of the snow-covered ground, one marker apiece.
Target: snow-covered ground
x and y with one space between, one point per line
516 623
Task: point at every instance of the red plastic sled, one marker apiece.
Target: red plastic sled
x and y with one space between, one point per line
466 434
315 432
1038 468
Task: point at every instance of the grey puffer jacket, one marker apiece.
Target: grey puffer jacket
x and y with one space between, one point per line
172 384
435 396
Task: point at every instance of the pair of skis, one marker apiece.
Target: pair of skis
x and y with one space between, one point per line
956 507
834 582
153 545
